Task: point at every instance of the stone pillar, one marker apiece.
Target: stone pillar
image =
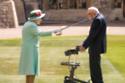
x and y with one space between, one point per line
20 11
78 4
89 3
68 3
45 4
8 16
65 4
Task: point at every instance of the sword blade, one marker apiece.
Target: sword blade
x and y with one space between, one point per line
68 26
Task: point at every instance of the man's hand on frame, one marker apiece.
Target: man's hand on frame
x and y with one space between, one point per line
81 48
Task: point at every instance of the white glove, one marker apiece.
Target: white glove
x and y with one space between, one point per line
57 32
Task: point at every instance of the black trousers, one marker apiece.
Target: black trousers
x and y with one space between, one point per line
95 68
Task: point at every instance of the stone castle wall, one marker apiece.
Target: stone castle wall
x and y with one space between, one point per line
63 15
106 7
8 18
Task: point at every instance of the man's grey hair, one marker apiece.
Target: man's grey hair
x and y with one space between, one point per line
94 9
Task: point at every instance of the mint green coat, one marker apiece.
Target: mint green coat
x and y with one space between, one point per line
29 60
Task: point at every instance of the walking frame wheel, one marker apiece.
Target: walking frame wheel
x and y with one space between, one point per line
67 79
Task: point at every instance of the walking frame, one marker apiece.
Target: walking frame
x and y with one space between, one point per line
72 65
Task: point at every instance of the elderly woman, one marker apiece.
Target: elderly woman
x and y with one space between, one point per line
29 60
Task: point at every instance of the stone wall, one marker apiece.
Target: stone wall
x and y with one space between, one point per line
8 18
65 15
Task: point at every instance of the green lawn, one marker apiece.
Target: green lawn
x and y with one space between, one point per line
52 53
116 52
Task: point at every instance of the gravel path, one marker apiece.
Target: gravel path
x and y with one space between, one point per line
74 30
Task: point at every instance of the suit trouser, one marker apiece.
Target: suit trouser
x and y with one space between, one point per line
95 68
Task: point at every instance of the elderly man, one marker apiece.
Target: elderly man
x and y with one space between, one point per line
29 60
96 42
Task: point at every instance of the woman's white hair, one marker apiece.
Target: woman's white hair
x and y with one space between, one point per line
94 9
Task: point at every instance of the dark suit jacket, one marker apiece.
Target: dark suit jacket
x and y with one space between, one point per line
96 40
